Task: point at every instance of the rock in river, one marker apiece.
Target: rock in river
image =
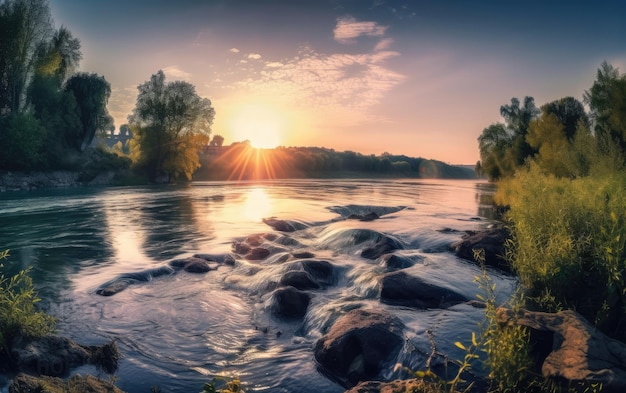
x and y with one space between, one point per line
403 289
359 346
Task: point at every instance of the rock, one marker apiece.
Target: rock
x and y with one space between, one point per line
284 225
56 356
575 351
289 302
197 265
303 255
114 287
299 280
403 289
371 216
396 262
359 346
257 254
492 241
24 383
383 246
320 269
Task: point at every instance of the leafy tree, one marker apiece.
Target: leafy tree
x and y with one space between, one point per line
569 111
170 123
217 140
26 137
25 26
92 95
493 144
607 103
518 120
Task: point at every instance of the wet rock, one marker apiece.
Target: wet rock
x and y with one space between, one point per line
241 248
299 280
289 302
114 287
396 262
386 244
575 351
257 254
303 255
122 282
197 265
318 268
492 241
364 217
56 356
360 346
403 289
24 383
284 225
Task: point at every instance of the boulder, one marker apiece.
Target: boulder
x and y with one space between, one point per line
384 245
56 356
360 346
492 241
284 225
289 302
318 268
257 254
24 383
299 280
406 290
575 351
396 262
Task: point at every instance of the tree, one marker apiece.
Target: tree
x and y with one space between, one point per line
25 26
607 104
569 111
493 144
170 123
92 95
518 120
217 140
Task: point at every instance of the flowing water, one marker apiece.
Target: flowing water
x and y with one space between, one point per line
177 331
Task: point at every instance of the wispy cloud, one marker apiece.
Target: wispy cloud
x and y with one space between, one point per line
348 29
176 73
254 56
233 50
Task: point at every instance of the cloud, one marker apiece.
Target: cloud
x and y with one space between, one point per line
254 56
121 103
173 72
233 50
348 29
385 43
352 82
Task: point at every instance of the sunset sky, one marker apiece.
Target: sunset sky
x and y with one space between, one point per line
421 78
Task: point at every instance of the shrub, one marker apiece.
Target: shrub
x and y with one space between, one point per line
18 314
568 244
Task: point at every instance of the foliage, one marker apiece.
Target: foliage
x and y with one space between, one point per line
18 314
228 386
26 138
92 94
568 247
170 123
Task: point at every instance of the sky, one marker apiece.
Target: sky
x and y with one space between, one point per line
412 77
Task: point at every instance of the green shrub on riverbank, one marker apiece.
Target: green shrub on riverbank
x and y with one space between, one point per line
568 245
18 315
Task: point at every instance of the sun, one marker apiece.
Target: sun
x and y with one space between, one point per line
260 124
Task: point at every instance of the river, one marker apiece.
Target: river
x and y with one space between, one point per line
176 332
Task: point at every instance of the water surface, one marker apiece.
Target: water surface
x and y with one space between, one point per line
177 331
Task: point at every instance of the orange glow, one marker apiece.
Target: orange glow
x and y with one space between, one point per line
244 162
262 125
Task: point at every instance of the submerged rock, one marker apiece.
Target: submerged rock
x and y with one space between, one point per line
56 356
299 280
289 302
360 346
574 351
396 262
491 241
406 290
384 245
285 225
123 281
24 383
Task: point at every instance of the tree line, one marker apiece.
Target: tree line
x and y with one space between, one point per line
560 136
241 161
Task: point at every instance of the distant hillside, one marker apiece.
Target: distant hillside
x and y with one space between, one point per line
240 161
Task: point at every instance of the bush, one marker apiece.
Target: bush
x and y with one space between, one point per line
568 244
18 314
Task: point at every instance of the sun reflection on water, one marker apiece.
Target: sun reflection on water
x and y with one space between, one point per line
257 205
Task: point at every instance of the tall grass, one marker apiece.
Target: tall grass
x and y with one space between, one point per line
568 245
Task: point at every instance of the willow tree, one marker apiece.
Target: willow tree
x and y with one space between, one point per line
170 123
